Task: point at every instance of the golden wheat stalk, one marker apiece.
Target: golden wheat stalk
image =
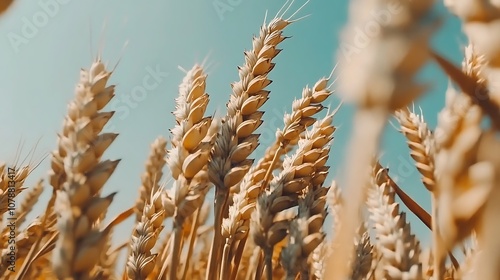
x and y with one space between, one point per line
399 248
78 175
29 201
152 175
11 185
229 161
235 226
298 171
141 261
188 157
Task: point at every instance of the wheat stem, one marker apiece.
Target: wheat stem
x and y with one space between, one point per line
174 256
366 125
237 258
220 205
260 266
192 241
226 261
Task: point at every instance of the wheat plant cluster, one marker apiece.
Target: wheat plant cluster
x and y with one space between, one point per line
269 213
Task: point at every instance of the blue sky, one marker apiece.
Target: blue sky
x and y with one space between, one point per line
43 45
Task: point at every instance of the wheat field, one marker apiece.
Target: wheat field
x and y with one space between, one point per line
267 218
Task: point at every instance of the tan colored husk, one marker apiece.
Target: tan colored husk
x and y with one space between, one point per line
5 5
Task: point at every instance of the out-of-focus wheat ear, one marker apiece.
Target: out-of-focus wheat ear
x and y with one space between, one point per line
30 199
5 5
141 260
42 246
78 175
465 183
106 267
451 117
479 20
41 269
400 249
388 83
471 253
317 261
458 116
237 139
188 156
335 202
25 240
152 175
427 260
485 174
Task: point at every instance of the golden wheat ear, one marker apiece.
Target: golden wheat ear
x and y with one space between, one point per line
188 158
78 175
237 140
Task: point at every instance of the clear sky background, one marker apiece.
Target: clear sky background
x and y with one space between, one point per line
42 49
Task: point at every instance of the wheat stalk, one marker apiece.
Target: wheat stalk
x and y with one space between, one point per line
152 175
78 175
189 155
141 261
229 161
297 174
235 226
399 248
30 199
